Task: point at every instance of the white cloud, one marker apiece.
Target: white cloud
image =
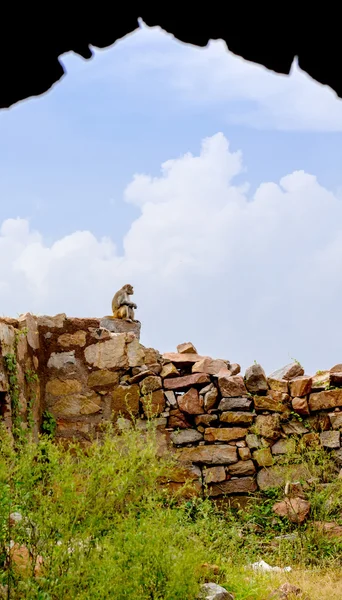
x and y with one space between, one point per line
242 277
245 93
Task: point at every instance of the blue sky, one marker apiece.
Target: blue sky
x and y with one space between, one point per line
67 163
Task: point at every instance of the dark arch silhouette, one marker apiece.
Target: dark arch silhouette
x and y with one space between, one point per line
31 43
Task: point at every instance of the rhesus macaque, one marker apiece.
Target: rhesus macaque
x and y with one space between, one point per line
122 307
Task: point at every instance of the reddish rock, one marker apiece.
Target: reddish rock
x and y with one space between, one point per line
234 369
268 426
336 368
325 400
227 434
232 386
181 383
214 474
300 386
191 403
241 485
178 420
255 379
205 419
209 366
274 401
242 467
186 348
300 406
237 418
295 509
209 455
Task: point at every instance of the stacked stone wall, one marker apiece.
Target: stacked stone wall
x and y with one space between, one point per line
229 432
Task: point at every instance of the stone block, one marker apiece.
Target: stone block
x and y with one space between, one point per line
221 454
300 406
241 485
242 468
237 418
244 453
325 400
268 426
186 436
182 383
125 401
284 446
241 403
150 384
226 434
72 339
255 379
214 474
61 360
274 401
300 386
232 386
330 439
263 457
191 403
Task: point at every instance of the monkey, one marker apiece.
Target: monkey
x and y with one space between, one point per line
122 308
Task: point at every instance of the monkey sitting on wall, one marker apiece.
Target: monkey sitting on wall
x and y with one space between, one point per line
122 307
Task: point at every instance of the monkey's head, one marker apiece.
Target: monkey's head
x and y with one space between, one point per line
128 289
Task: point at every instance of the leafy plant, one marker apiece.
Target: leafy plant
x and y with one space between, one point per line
49 424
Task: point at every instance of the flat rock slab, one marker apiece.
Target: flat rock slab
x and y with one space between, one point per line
121 326
186 436
209 455
326 399
186 358
181 383
241 485
235 404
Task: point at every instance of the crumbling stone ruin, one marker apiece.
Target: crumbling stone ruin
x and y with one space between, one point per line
228 431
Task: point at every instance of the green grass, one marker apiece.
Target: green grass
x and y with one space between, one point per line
106 528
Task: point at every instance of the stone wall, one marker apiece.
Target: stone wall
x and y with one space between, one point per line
227 431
